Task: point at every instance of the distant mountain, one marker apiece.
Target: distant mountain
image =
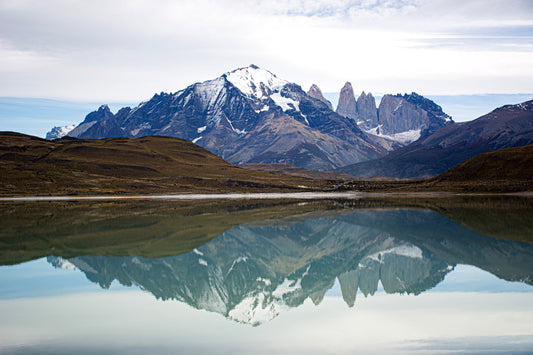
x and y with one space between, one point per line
32 165
403 118
103 113
59 132
246 116
505 127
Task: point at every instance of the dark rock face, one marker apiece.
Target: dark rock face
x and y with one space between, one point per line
367 113
247 115
401 113
347 104
103 114
506 127
315 92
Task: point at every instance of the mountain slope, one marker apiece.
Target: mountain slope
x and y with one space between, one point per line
505 127
31 165
504 167
231 113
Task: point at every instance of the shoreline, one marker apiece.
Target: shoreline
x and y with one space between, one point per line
251 196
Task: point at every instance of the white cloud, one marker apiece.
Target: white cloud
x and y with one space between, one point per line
127 50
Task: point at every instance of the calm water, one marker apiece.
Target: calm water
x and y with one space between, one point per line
264 277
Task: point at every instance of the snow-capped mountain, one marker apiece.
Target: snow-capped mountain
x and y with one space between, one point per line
59 132
248 115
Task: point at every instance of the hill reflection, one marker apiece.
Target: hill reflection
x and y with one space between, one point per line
254 271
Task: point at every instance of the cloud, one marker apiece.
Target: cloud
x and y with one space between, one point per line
127 50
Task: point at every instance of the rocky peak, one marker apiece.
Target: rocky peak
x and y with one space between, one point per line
366 111
315 92
255 82
101 114
347 104
413 112
427 105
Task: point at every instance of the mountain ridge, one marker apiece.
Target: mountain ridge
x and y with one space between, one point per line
224 114
505 127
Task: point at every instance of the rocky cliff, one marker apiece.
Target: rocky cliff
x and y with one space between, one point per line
403 118
367 113
347 104
315 92
409 113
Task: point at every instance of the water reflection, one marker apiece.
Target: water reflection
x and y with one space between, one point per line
254 271
435 277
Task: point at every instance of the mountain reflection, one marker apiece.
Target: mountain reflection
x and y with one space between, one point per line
254 271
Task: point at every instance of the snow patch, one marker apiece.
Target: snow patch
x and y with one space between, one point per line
240 259
197 139
255 82
264 108
257 309
59 132
409 251
198 252
403 137
289 286
267 282
61 263
202 262
201 129
286 103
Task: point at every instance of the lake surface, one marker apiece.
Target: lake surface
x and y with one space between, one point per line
339 276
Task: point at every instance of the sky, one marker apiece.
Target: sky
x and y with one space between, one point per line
126 50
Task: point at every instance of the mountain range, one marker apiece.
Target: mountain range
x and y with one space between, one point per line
250 116
505 127
245 116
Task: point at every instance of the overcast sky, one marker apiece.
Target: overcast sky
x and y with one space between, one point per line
105 50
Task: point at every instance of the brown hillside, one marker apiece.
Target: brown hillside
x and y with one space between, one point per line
505 169
155 164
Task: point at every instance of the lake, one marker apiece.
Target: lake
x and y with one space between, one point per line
374 275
